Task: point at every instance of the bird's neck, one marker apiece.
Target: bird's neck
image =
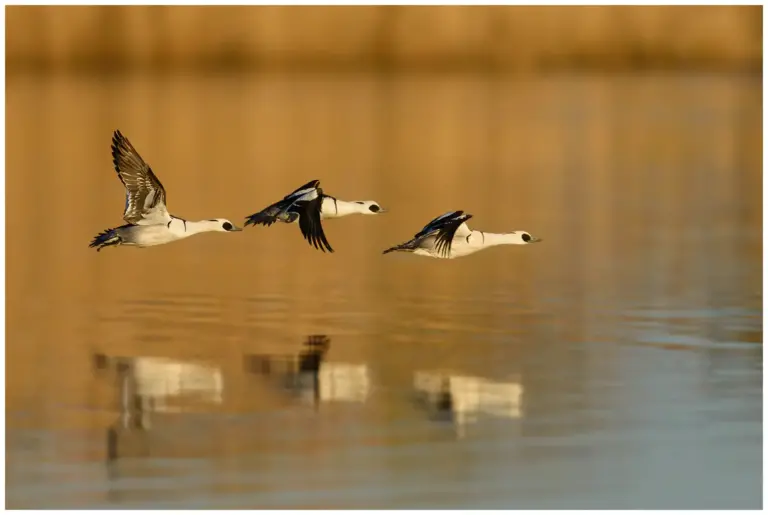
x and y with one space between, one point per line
333 208
491 239
189 227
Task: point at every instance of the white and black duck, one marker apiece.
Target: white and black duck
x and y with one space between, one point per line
310 205
149 222
448 236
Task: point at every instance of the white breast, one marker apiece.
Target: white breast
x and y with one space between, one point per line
149 235
459 247
329 209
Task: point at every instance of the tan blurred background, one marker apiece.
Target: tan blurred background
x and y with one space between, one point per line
525 39
629 138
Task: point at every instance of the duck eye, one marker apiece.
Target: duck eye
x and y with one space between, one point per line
526 237
374 208
227 226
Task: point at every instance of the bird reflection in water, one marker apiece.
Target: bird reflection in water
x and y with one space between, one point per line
156 385
462 399
151 384
310 376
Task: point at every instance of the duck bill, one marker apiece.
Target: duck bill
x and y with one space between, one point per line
235 229
535 240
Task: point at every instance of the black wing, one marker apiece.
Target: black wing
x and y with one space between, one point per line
310 224
285 207
270 214
443 228
438 222
446 231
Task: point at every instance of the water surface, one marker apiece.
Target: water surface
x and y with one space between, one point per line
618 364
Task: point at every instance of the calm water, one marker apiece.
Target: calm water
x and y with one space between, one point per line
617 364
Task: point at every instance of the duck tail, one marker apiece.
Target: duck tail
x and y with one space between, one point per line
105 239
409 246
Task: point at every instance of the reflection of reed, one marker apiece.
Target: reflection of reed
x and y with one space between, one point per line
463 398
308 375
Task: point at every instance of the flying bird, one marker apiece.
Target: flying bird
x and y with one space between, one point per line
448 236
310 205
149 222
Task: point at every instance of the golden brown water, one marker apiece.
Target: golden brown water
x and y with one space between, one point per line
617 364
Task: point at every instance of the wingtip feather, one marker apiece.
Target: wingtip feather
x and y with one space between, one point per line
259 219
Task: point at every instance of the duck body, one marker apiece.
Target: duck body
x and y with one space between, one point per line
157 234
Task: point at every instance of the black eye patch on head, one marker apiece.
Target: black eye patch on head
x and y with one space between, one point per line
374 208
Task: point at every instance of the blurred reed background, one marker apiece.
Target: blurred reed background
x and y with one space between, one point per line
629 138
372 38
